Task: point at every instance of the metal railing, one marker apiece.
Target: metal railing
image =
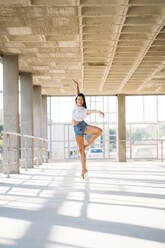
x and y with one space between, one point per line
22 154
143 145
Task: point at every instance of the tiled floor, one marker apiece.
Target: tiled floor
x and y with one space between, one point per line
122 205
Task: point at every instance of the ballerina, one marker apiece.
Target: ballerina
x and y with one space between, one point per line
81 128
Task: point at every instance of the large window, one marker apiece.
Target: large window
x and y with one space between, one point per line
145 127
145 118
61 136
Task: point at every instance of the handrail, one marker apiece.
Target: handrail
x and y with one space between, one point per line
24 153
24 135
141 144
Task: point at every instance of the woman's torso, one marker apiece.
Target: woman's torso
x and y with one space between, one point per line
78 114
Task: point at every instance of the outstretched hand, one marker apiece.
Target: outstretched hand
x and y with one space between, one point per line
102 114
75 82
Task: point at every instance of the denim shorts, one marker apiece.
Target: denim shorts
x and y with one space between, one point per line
79 129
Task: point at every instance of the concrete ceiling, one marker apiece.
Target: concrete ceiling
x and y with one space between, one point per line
110 46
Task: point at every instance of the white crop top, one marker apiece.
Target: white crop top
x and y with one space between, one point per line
79 113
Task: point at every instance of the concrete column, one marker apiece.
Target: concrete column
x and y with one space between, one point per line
27 116
121 129
37 123
11 111
44 127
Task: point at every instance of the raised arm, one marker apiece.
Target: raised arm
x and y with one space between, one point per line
95 111
77 86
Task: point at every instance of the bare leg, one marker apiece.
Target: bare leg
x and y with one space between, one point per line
80 143
95 131
83 162
94 137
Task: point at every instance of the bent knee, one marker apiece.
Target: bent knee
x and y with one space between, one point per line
100 131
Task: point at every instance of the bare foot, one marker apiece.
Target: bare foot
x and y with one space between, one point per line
83 173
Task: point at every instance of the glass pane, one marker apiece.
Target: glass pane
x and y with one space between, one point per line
161 105
105 103
99 118
112 131
88 119
134 108
93 105
112 103
49 139
57 150
99 106
127 132
105 117
61 109
54 109
58 132
66 107
112 117
71 133
93 118
99 98
88 102
93 98
162 131
144 132
66 132
150 108
66 143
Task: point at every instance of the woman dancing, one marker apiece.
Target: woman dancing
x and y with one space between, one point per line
81 128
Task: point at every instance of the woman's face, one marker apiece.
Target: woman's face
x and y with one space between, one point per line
80 101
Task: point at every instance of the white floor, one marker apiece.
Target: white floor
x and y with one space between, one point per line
122 205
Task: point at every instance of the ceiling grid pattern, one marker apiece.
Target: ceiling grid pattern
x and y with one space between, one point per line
110 46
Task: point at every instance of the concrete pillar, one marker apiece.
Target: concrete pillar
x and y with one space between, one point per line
37 123
121 129
11 111
27 117
44 127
